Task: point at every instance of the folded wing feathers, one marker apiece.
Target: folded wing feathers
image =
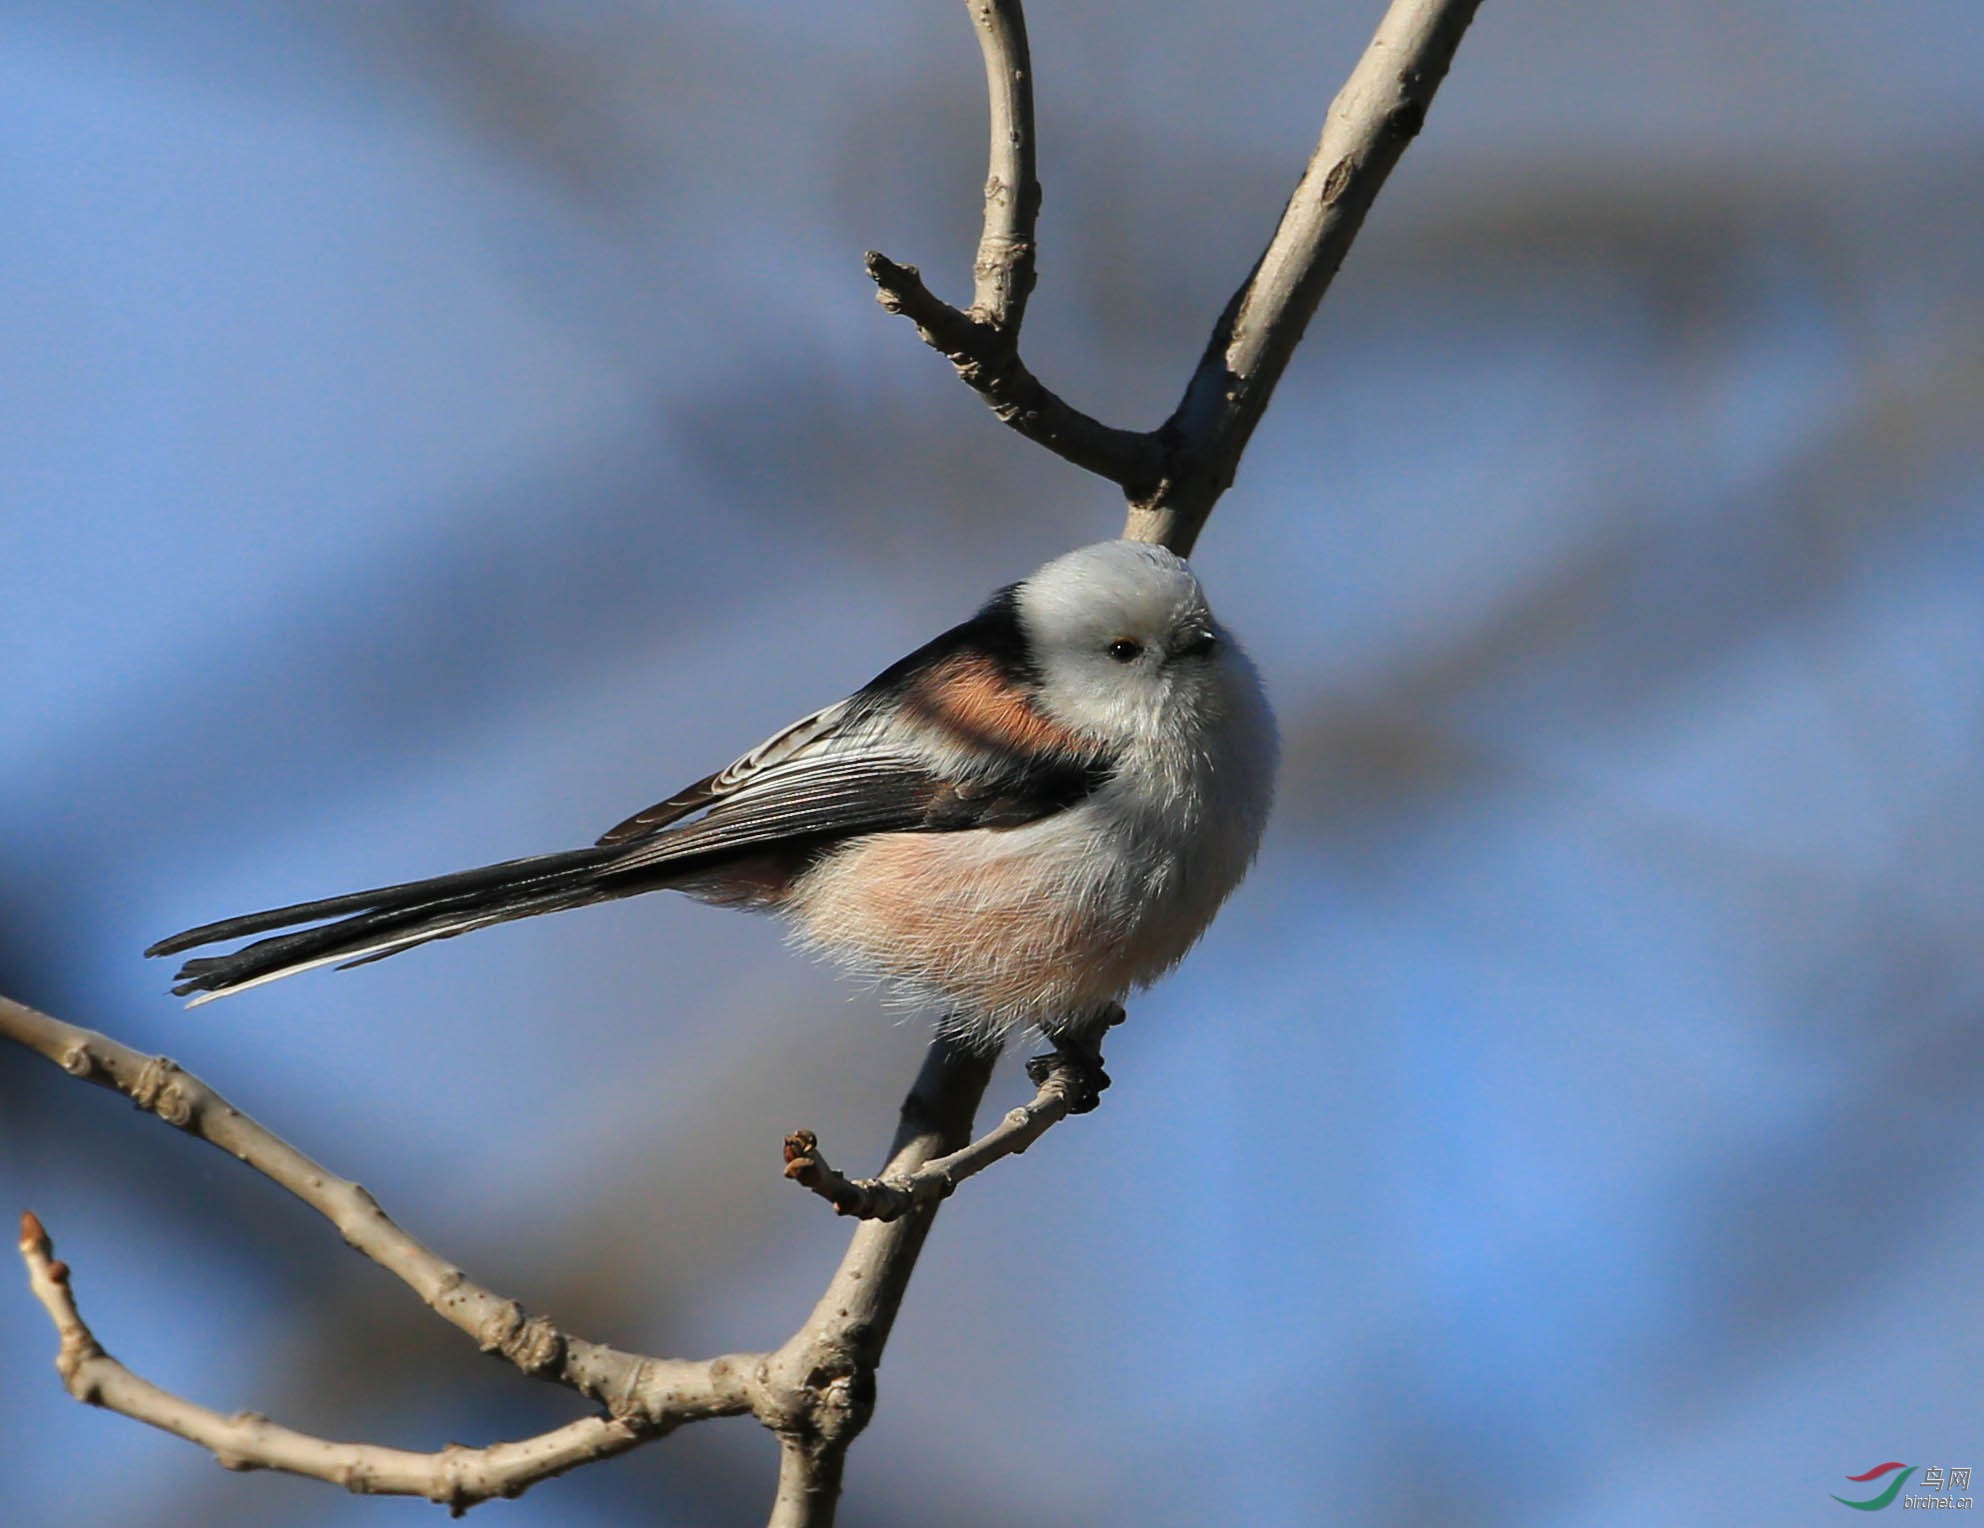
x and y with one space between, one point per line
768 755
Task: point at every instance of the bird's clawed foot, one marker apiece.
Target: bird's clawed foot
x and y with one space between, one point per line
1077 1059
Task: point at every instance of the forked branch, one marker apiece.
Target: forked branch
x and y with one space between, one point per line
656 1393
815 1391
1172 476
457 1477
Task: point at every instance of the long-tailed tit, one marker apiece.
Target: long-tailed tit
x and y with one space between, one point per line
1019 822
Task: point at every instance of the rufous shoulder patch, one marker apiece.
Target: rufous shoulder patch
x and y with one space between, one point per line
969 695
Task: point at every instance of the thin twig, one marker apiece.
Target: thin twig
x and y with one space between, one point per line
654 1393
983 343
1066 1084
990 365
457 1477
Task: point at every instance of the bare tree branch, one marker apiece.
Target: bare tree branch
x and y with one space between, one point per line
1068 1080
827 1368
816 1391
1173 475
990 364
1002 275
983 344
457 1477
808 1484
644 1397
1378 112
656 1393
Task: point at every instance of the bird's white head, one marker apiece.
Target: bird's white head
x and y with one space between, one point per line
1124 643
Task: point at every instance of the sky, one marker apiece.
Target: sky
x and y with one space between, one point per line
434 432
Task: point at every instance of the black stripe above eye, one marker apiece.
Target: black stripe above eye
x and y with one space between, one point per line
997 631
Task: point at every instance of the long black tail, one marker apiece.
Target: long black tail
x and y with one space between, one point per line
371 925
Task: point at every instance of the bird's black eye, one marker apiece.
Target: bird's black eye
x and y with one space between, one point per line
1125 650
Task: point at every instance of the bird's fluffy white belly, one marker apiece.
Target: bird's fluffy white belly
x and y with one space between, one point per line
1022 926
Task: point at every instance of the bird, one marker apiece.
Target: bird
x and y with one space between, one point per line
1028 817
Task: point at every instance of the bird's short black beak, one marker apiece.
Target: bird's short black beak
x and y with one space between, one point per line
1195 643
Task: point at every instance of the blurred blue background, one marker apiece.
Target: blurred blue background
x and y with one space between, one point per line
430 432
